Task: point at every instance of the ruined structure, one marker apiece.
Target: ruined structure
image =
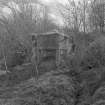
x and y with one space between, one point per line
51 45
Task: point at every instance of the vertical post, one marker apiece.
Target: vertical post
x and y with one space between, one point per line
5 62
58 56
36 61
35 57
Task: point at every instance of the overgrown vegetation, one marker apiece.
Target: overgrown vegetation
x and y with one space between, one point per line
78 80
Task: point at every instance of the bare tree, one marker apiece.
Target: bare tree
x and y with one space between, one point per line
69 14
75 14
84 15
22 21
97 15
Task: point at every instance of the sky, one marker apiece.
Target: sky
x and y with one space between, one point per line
55 17
48 2
61 1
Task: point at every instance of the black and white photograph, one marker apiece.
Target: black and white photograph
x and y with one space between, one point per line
52 52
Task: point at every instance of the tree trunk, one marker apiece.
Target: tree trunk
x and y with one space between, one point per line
84 18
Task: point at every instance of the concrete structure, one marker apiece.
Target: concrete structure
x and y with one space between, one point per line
51 45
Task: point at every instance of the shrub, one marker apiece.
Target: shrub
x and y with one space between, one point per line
99 96
48 90
14 57
94 55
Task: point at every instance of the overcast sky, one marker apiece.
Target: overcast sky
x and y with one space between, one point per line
62 1
47 2
50 3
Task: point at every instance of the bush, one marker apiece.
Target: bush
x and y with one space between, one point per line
13 58
99 96
94 55
48 90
